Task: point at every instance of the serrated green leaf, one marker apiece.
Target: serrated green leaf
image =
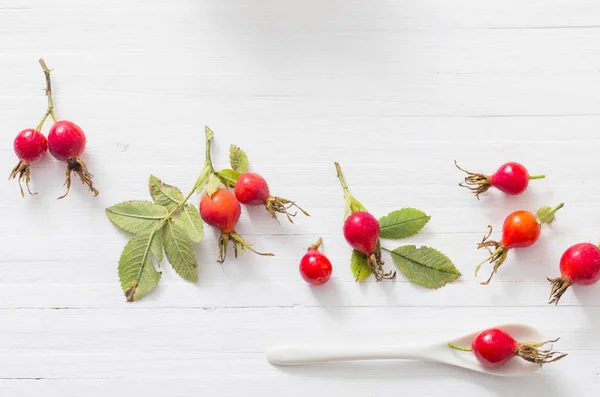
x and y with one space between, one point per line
359 264
238 159
425 266
402 223
228 177
136 216
166 195
136 271
213 184
180 251
191 221
157 246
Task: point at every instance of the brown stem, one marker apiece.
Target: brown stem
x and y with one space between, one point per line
50 109
532 352
376 266
559 286
497 256
75 164
281 205
477 183
22 171
316 245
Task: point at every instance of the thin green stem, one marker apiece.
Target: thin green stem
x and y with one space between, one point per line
456 347
555 209
50 109
532 177
340 176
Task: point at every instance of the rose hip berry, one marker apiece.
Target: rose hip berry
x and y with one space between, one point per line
252 189
30 146
520 229
361 230
222 211
494 347
315 268
66 142
511 178
580 265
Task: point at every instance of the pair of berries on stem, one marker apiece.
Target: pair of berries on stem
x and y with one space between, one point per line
220 208
579 264
66 142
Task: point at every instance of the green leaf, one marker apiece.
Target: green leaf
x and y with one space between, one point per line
157 246
137 215
547 214
180 251
209 133
356 206
425 266
191 222
228 177
213 184
136 271
238 159
402 223
202 178
166 195
359 264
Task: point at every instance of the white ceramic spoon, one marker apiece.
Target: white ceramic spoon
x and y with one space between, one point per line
436 352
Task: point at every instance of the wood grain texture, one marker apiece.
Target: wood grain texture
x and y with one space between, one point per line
393 90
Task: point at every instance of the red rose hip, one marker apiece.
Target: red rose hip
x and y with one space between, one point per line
222 211
252 189
511 178
579 265
520 229
495 347
30 146
315 267
361 231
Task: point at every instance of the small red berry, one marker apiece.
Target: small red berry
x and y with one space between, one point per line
520 229
494 347
66 142
361 231
580 265
66 139
30 146
221 210
315 268
510 178
252 189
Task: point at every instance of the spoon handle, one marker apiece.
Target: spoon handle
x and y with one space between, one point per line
299 355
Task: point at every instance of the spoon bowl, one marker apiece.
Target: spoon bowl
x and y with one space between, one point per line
436 352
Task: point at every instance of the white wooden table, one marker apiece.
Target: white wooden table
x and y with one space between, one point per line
395 91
